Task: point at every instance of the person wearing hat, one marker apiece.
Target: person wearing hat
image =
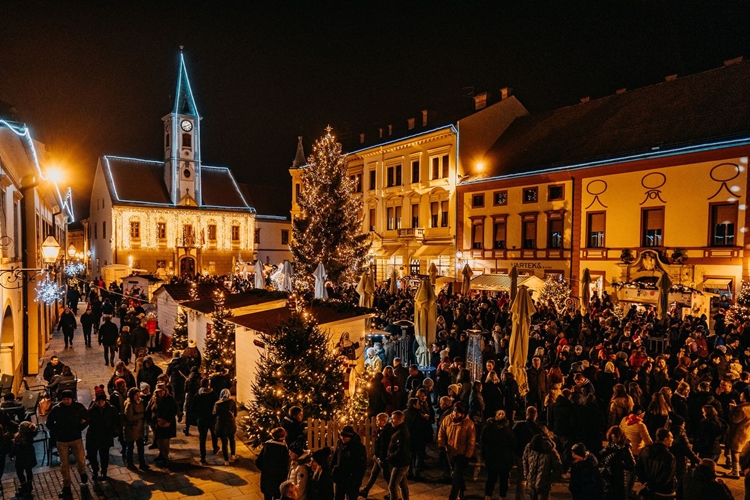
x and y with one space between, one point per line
25 458
192 355
586 482
203 406
68 326
320 484
635 430
134 426
108 335
273 463
163 410
349 464
299 470
104 424
149 372
457 436
66 421
225 426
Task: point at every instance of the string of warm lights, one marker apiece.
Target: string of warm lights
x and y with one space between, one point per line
220 343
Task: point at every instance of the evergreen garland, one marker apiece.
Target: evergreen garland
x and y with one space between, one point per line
179 339
329 226
298 368
220 345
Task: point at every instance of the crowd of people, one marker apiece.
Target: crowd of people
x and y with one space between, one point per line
612 397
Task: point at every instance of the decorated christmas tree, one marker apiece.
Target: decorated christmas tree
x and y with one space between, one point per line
355 408
220 346
743 296
556 290
297 369
180 334
329 226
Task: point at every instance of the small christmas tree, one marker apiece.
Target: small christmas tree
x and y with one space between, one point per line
220 346
743 296
180 334
297 369
555 289
329 226
357 405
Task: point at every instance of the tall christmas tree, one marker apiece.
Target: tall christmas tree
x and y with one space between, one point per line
555 289
220 346
180 334
743 296
329 226
297 369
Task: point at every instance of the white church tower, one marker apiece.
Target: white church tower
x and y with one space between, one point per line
182 141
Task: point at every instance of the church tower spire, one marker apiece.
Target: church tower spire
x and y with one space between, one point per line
299 158
182 152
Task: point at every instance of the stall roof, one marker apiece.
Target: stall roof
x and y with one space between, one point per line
495 282
265 320
181 292
231 301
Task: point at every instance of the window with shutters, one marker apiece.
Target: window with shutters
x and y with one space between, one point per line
415 215
652 227
477 233
434 214
723 224
135 230
398 217
595 224
372 219
415 171
444 213
390 218
498 232
528 230
554 230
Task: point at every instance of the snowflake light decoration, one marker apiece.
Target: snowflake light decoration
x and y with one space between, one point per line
48 291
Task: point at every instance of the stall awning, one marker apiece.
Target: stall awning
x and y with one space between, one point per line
430 251
387 250
717 283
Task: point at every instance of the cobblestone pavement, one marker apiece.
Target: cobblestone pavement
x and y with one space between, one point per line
185 478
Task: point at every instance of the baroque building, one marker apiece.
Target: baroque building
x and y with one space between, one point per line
175 216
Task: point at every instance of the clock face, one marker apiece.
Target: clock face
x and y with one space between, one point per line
186 173
186 125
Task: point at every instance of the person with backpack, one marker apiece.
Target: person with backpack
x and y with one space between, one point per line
586 482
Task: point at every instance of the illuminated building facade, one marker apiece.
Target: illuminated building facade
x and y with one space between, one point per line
629 186
170 216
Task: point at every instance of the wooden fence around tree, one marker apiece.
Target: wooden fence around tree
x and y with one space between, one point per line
322 433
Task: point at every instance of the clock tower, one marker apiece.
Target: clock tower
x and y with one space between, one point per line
182 152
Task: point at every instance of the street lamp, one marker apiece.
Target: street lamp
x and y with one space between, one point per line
71 251
50 250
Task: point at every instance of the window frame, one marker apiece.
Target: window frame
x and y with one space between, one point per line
494 198
589 234
496 221
284 236
534 189
477 226
555 216
644 211
135 230
477 200
235 233
415 162
529 218
712 224
549 192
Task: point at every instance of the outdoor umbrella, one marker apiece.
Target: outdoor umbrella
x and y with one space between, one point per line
466 282
287 283
425 319
513 283
521 309
260 280
393 288
433 273
365 290
664 284
586 290
320 282
370 290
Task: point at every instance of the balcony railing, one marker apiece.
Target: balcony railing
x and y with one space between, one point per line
411 232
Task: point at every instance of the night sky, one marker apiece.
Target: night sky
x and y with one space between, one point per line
94 78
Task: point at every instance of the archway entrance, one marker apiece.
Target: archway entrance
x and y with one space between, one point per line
187 266
7 340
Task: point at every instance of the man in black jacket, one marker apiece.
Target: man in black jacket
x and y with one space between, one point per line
108 335
54 367
203 404
380 457
68 325
657 467
66 422
399 457
104 425
349 464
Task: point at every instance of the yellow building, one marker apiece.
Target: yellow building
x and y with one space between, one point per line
629 186
171 216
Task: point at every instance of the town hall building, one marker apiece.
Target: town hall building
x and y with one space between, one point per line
175 216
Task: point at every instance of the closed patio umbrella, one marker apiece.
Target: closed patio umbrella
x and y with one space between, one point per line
286 285
393 287
425 319
513 283
466 282
260 280
586 290
664 285
370 290
433 273
521 309
320 282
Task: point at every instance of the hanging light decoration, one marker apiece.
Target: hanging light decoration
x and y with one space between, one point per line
48 291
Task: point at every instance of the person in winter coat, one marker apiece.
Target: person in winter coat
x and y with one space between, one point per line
108 335
225 426
635 430
457 436
561 421
620 405
711 432
87 324
378 398
617 461
586 481
203 406
25 456
294 425
510 395
538 384
134 426
125 347
656 467
178 372
299 470
149 372
273 463
66 421
140 336
498 448
420 435
493 397
682 451
68 325
192 385
104 425
320 484
380 457
121 371
702 484
738 433
541 466
349 464
54 367
163 411
399 457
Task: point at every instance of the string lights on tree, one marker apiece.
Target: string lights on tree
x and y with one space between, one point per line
180 334
555 289
329 226
220 344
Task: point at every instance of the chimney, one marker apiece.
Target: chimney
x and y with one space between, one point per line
671 78
585 99
732 61
361 138
390 129
505 92
480 101
621 91
410 123
380 130
424 117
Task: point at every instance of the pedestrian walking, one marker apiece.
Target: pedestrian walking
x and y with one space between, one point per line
380 455
457 437
541 465
164 411
192 385
657 467
25 457
178 372
273 463
125 345
617 461
349 464
66 421
225 413
738 433
399 457
87 324
104 425
498 451
203 406
108 336
586 481
134 419
68 326
320 485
